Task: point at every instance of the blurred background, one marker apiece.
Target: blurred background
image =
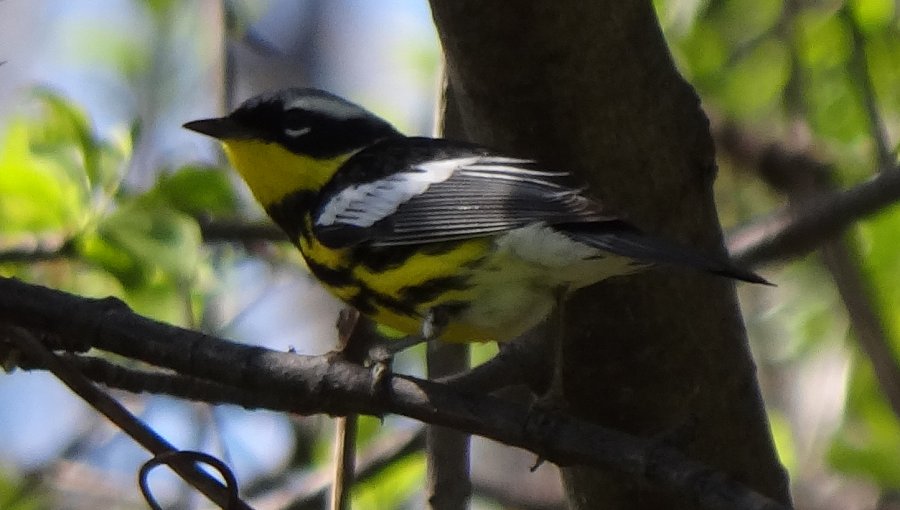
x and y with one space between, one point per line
102 193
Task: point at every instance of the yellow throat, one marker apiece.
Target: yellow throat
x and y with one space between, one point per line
272 171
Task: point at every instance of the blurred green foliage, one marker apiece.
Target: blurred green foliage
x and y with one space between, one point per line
14 495
61 179
771 66
391 488
765 65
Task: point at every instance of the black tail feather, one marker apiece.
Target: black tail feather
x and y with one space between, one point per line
625 240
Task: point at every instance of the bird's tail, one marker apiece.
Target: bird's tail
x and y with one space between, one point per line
622 239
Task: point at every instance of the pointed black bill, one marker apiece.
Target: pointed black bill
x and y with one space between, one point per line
221 128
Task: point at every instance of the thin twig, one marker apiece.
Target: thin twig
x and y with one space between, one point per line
128 423
238 230
448 485
302 490
801 228
212 230
859 67
345 427
158 382
842 261
38 253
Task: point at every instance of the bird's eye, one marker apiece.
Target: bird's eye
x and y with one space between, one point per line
296 123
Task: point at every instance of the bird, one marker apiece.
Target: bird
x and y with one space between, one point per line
433 238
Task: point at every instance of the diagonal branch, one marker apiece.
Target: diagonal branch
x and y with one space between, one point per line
859 66
238 230
799 229
317 384
123 419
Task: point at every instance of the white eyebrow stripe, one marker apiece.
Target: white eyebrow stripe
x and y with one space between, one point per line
336 107
297 133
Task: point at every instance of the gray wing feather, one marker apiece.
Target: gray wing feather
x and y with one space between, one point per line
479 196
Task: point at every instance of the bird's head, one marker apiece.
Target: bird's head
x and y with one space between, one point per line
292 139
304 121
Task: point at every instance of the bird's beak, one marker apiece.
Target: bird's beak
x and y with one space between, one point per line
222 128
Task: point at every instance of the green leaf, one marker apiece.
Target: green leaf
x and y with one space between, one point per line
162 299
677 18
367 429
743 21
705 52
834 110
879 260
868 442
38 193
822 39
393 486
883 52
195 190
872 15
481 352
14 495
89 281
784 440
108 255
754 84
160 8
142 239
71 125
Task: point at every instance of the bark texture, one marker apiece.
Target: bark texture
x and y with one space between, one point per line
591 87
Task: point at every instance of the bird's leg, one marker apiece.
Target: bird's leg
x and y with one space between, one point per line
432 326
544 408
554 398
381 355
351 347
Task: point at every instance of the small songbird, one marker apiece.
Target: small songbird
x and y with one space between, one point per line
429 236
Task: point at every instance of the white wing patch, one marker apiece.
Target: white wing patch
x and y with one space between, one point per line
365 204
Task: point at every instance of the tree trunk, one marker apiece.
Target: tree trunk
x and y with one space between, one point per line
591 87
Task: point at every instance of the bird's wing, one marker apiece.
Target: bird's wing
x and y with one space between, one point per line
458 196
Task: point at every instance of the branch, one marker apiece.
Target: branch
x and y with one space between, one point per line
842 261
354 338
859 66
212 230
319 385
238 230
38 251
798 230
123 419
